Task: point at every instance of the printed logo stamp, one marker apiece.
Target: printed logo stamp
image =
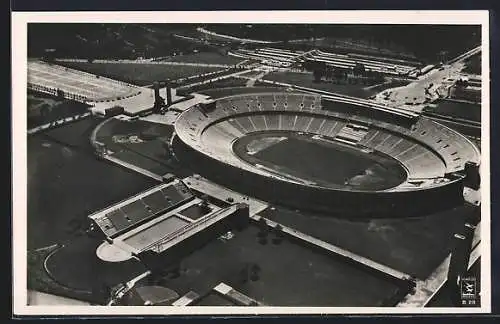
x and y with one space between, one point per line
468 291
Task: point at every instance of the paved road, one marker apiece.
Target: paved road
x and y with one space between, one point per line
427 88
243 40
148 61
235 74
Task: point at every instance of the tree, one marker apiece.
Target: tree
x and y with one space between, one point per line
264 229
379 76
317 74
319 70
359 69
462 83
60 93
329 73
49 55
279 235
345 74
101 293
338 74
254 272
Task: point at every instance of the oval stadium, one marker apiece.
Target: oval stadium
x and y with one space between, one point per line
336 154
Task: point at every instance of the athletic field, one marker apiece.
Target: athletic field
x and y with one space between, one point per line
328 164
141 74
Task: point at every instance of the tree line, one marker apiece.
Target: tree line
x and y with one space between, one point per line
322 71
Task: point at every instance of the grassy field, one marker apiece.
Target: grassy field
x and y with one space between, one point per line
40 280
251 73
66 182
205 57
412 245
77 266
350 165
456 109
224 83
223 92
141 74
307 80
44 108
302 276
473 65
149 153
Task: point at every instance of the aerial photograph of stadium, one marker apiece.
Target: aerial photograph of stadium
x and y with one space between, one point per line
304 165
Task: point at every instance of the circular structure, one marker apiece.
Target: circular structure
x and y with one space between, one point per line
344 155
111 253
150 295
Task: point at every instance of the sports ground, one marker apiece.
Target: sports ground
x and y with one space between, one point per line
342 87
327 164
141 74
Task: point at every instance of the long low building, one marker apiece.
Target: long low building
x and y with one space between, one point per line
164 219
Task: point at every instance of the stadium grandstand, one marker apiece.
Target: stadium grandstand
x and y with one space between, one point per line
431 154
285 58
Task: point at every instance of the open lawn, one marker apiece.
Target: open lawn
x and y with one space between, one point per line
77 266
456 109
223 92
141 73
412 245
473 65
306 80
66 183
205 57
223 83
147 152
302 276
43 108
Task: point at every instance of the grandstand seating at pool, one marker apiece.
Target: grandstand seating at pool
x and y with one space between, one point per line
127 214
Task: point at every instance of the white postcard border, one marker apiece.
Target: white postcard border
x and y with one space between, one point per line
19 144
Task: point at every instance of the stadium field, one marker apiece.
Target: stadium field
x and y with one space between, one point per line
327 164
413 245
56 174
307 80
141 74
302 277
204 57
